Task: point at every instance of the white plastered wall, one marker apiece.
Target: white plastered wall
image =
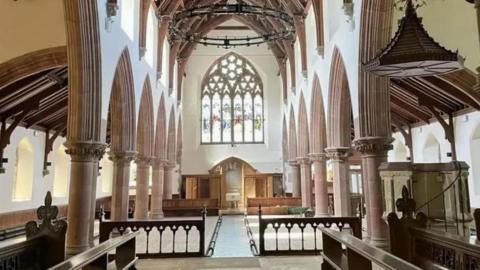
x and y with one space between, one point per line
198 158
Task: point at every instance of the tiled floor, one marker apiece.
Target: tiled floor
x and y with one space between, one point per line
253 263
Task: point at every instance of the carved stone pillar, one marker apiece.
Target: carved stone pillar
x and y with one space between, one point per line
341 188
306 181
374 151
295 178
167 186
121 179
156 209
84 168
142 188
320 180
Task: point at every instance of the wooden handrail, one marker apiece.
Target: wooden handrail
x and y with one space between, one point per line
358 254
89 257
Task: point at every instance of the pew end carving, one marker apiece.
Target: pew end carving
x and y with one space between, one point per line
400 239
45 244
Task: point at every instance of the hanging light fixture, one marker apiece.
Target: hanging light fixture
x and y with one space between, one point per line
239 8
412 52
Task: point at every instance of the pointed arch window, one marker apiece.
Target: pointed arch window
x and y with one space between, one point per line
232 102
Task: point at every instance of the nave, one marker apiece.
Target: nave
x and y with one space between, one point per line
335 133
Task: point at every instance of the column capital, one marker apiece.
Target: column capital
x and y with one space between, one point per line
293 162
376 146
144 161
170 165
124 156
317 157
304 161
339 154
159 162
85 151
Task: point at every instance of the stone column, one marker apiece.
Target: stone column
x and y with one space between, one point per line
142 188
121 179
374 151
167 187
341 180
84 166
156 210
93 200
320 180
306 181
295 178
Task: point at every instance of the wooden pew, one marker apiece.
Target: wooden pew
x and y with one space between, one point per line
357 254
97 257
189 207
272 206
411 241
45 244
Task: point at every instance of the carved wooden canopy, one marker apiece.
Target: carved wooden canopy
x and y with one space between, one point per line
412 52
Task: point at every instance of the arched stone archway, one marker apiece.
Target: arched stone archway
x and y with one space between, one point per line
145 143
160 161
302 155
292 155
122 146
318 143
171 155
339 133
84 143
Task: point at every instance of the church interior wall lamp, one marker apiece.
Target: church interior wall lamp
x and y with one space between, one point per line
412 52
179 29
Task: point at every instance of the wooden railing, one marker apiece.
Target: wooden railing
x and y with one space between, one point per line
411 241
161 237
98 256
306 230
357 254
45 244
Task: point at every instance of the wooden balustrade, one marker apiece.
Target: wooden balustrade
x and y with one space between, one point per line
45 244
357 254
165 229
302 225
411 241
98 257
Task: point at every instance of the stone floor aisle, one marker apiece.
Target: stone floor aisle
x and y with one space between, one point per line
232 239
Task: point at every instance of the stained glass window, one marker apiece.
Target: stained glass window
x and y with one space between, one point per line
232 102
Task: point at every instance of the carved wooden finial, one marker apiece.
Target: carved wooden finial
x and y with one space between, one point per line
406 204
47 215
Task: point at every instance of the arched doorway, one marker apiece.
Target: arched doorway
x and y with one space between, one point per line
431 150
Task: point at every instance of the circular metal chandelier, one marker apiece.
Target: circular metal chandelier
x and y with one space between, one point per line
238 9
